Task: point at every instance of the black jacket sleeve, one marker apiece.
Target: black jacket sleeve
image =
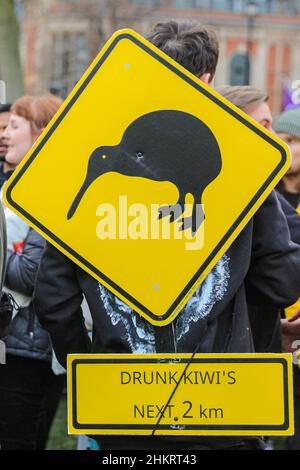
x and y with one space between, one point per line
273 278
21 268
57 301
292 217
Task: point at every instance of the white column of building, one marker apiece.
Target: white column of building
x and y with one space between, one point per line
222 74
259 61
295 62
279 79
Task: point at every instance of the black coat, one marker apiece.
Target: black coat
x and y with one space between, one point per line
265 322
5 311
261 267
25 336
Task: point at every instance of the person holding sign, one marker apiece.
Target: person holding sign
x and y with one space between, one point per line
257 268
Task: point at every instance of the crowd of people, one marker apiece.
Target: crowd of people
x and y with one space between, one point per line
257 310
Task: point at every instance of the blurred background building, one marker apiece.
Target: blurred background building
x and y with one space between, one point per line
259 40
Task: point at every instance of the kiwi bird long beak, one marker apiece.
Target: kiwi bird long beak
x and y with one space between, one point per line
97 166
78 198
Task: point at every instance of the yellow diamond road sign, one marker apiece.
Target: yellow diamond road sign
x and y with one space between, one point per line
145 176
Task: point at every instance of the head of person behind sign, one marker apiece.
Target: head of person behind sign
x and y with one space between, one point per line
189 43
29 116
287 126
251 100
255 103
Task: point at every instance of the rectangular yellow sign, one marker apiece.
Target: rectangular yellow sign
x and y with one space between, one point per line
182 394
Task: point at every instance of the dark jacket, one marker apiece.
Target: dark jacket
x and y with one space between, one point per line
261 267
4 175
25 336
5 311
293 218
265 322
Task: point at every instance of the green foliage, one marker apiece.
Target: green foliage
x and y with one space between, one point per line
59 438
10 68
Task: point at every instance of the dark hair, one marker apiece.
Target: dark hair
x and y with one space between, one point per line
5 108
189 43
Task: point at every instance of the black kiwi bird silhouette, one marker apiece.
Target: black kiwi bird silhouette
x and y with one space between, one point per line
165 145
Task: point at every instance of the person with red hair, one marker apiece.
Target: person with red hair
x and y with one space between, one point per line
27 376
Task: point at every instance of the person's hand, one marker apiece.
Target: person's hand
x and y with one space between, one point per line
290 333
